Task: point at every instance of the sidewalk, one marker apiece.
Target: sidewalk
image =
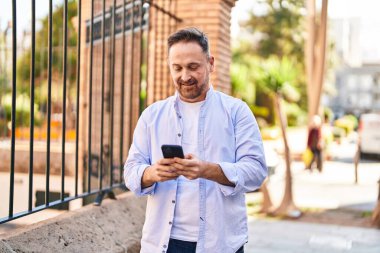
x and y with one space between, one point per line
334 189
273 236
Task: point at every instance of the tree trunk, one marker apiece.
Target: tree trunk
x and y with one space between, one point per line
267 205
315 52
356 162
376 212
287 206
376 215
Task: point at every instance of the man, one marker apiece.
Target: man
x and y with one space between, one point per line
314 142
195 204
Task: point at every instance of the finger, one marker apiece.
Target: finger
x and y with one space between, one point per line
165 161
185 162
188 174
178 166
166 169
167 174
189 156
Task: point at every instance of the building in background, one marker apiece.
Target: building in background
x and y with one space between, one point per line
357 78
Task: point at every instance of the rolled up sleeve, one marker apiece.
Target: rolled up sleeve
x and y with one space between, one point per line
249 170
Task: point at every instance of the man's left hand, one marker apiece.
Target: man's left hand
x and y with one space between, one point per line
191 167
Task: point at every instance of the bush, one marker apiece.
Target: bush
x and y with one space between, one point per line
295 115
328 114
22 110
348 123
338 133
270 133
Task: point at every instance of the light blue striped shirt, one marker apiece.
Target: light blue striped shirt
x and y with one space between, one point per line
229 136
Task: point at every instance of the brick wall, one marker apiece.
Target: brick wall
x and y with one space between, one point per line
213 17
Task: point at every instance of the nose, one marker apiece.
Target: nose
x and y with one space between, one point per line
185 76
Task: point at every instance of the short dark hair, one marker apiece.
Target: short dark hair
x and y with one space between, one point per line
190 34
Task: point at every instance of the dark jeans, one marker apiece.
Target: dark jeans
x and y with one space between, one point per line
177 246
317 157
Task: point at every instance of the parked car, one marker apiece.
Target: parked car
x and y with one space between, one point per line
369 133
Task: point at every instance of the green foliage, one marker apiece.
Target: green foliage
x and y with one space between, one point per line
41 56
348 123
271 59
243 79
260 111
354 121
22 110
279 28
328 114
295 115
277 76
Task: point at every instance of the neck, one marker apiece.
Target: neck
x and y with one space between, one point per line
200 98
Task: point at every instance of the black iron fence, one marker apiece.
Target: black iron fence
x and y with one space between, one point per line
95 93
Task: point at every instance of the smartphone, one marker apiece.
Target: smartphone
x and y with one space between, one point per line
171 151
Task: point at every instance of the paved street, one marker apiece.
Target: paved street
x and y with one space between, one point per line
267 236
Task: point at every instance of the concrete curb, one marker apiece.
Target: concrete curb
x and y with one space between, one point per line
113 227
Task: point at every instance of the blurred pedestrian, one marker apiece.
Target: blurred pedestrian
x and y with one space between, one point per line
314 143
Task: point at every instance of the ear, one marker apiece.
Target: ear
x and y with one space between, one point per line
211 62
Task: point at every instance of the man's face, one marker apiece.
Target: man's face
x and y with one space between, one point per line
190 69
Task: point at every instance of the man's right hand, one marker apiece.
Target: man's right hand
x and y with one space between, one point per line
159 172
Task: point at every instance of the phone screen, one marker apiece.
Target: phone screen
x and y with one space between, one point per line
171 151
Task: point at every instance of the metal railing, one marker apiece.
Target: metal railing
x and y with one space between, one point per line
112 59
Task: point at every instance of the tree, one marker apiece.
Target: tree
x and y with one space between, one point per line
276 29
276 77
278 32
41 56
279 28
376 213
315 55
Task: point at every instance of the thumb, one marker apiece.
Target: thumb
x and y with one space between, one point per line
189 156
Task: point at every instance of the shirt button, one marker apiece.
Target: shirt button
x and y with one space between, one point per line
179 116
173 201
179 135
164 247
170 223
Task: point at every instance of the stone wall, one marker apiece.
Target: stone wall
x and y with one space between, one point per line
113 227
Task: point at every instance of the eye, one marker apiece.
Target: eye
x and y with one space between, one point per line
193 66
177 68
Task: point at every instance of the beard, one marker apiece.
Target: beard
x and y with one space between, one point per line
191 89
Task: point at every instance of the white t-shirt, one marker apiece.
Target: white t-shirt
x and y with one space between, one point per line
186 224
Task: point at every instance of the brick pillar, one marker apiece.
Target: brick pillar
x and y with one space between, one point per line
211 16
214 18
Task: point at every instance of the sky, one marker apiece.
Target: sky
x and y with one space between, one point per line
366 10
23 12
